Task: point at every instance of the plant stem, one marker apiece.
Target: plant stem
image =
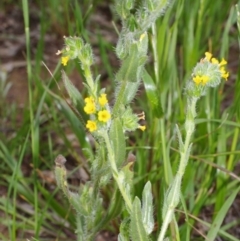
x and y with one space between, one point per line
89 78
175 189
168 219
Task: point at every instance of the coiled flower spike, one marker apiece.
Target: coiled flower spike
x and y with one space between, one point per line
207 73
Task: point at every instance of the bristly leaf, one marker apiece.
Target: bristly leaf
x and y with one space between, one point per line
150 11
124 231
153 94
179 135
128 70
147 208
138 232
118 141
73 93
172 196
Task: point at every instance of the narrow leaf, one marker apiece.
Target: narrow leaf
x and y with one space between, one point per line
215 227
128 70
138 232
147 208
153 94
118 141
179 135
73 93
124 231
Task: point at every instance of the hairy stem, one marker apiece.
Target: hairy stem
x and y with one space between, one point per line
176 186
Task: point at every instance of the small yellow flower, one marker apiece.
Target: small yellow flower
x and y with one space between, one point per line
91 125
214 61
225 74
208 56
89 100
104 115
90 108
65 60
197 79
205 79
142 128
223 62
201 79
103 100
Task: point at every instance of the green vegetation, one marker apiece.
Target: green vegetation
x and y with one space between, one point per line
31 204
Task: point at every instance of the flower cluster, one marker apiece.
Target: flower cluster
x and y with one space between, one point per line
209 71
221 64
98 112
76 48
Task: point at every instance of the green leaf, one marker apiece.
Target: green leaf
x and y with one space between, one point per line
138 232
215 227
153 94
128 70
74 199
73 93
147 208
179 135
124 230
118 141
172 196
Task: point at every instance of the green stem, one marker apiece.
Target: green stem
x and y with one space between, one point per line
33 123
176 186
164 227
89 78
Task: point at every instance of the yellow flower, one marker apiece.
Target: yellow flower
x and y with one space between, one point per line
89 100
103 100
214 61
65 60
104 115
225 74
197 79
142 128
90 108
223 62
91 125
205 79
201 79
208 56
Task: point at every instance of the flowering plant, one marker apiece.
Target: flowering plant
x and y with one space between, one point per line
109 124
207 73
